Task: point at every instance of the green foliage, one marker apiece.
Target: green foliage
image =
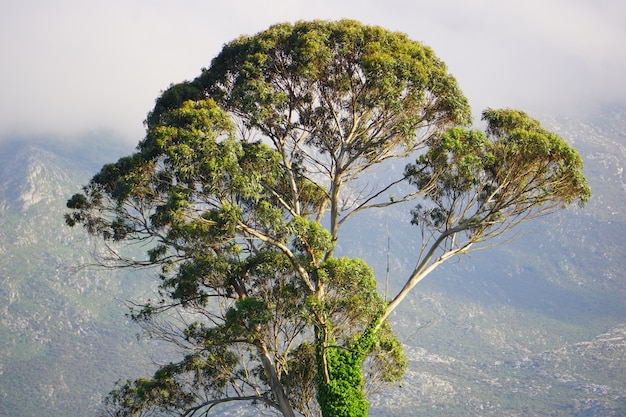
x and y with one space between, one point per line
335 57
355 93
479 182
210 368
312 238
542 161
352 295
342 394
351 334
247 316
339 375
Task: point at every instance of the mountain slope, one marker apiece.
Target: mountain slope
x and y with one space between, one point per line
63 337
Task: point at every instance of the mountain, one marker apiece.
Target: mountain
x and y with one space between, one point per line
536 326
64 340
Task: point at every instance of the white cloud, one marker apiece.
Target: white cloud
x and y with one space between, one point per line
70 66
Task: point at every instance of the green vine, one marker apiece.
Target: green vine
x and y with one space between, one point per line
340 384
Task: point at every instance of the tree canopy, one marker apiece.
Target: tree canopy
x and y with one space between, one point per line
243 182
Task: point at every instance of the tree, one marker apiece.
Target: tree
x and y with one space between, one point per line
238 172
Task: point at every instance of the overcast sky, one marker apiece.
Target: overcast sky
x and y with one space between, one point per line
69 67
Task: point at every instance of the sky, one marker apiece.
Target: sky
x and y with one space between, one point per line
73 67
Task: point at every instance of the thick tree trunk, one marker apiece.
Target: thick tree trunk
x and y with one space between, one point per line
274 381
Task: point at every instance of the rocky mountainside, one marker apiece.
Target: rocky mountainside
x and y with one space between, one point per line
32 176
64 340
533 327
582 379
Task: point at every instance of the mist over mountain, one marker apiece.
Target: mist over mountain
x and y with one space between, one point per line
533 327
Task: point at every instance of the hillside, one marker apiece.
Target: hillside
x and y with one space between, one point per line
64 339
534 327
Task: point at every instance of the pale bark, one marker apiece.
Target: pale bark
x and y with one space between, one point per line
425 267
274 382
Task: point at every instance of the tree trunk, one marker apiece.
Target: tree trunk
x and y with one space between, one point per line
334 212
340 379
274 381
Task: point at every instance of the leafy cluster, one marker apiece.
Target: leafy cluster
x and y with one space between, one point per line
485 183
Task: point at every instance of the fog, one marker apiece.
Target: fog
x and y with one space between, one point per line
71 67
